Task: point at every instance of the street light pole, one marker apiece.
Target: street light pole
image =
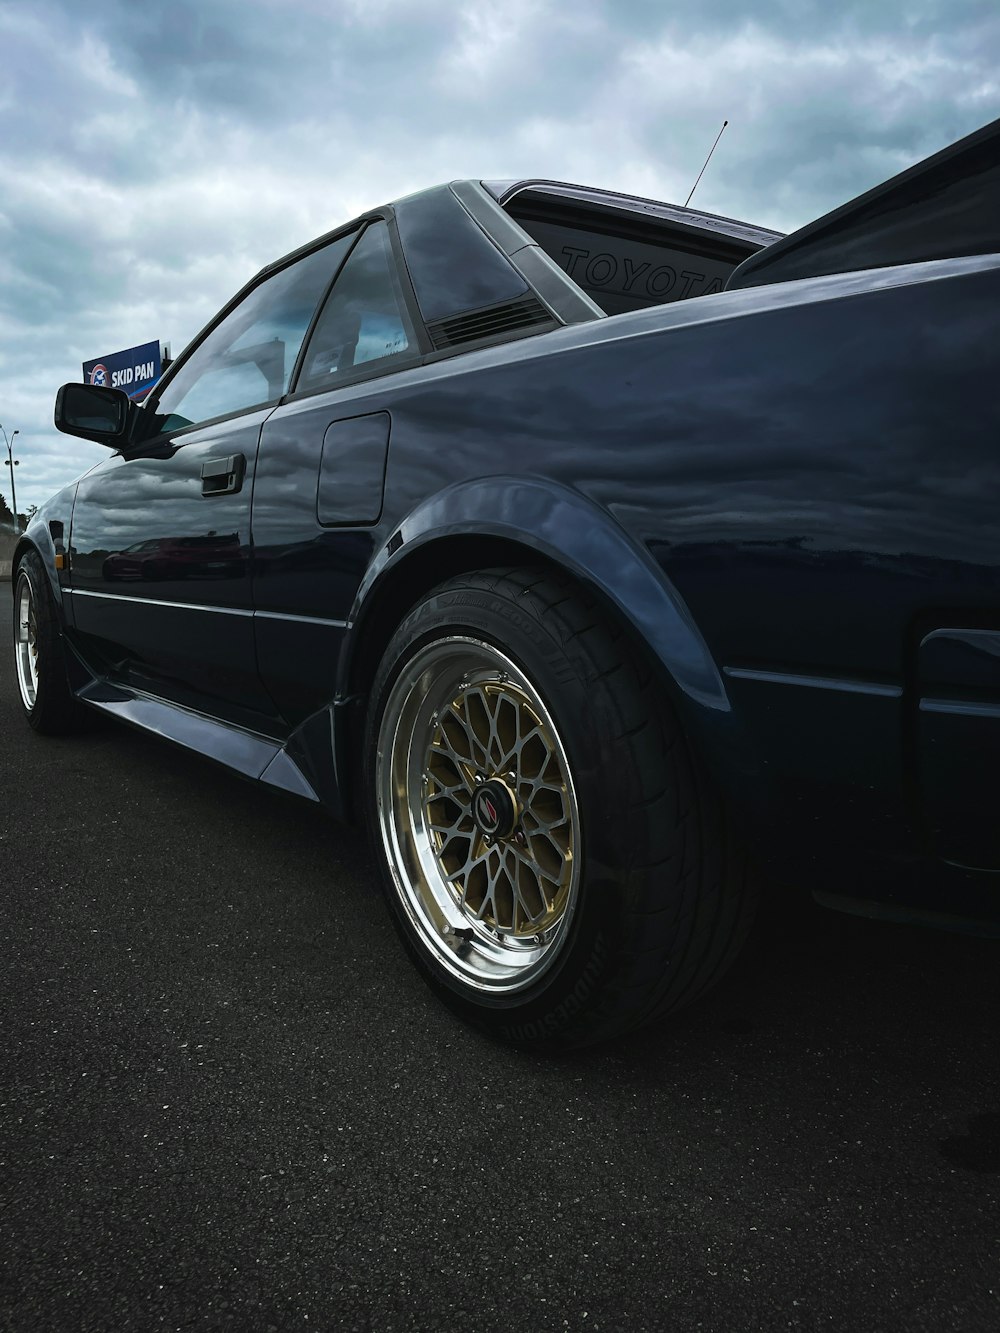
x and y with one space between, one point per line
12 464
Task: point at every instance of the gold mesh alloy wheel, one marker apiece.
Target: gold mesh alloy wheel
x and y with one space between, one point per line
478 814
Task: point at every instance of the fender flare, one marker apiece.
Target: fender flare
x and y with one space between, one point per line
574 533
571 531
38 538
52 521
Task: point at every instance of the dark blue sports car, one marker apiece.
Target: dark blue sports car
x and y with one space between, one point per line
609 558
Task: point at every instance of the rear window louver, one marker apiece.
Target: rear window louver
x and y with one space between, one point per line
510 317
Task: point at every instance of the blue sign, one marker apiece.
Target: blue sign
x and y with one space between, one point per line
135 370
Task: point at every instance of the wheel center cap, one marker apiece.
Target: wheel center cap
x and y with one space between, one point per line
494 809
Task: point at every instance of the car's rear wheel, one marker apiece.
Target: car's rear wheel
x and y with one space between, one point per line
39 652
554 863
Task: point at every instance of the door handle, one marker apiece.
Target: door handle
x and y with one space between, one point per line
223 476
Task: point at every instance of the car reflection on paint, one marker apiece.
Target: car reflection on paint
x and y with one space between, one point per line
211 556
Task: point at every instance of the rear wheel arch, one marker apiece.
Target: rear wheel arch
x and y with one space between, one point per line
530 521
405 583
434 563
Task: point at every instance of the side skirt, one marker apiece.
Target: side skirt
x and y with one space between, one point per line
304 765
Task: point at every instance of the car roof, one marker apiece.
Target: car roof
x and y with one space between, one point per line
505 191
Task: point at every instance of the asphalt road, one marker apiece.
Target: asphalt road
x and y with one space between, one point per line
227 1102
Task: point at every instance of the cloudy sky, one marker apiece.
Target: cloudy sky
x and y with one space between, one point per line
154 155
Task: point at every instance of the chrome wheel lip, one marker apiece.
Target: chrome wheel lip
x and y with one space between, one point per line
492 962
25 643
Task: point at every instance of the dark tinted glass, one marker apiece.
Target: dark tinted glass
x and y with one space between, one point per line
247 360
452 263
625 272
364 319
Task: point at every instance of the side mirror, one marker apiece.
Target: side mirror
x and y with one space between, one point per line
93 412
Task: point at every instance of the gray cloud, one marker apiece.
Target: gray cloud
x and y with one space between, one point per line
154 156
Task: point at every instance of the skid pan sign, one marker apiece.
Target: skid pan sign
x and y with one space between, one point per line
135 370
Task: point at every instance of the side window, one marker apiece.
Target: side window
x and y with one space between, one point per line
364 319
247 359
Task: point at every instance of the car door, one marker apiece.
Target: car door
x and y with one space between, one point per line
320 475
160 543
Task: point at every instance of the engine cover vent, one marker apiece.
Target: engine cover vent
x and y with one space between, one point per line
509 317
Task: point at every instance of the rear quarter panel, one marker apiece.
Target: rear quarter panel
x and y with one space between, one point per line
812 470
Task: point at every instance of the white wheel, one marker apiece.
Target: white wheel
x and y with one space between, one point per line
39 652
25 641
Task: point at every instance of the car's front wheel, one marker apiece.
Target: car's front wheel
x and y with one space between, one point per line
39 652
554 864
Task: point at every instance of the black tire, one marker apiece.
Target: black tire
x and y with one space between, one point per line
656 898
40 653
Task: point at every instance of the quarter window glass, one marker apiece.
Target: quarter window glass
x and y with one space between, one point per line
364 319
247 360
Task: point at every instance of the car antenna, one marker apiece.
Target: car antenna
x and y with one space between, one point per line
707 160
